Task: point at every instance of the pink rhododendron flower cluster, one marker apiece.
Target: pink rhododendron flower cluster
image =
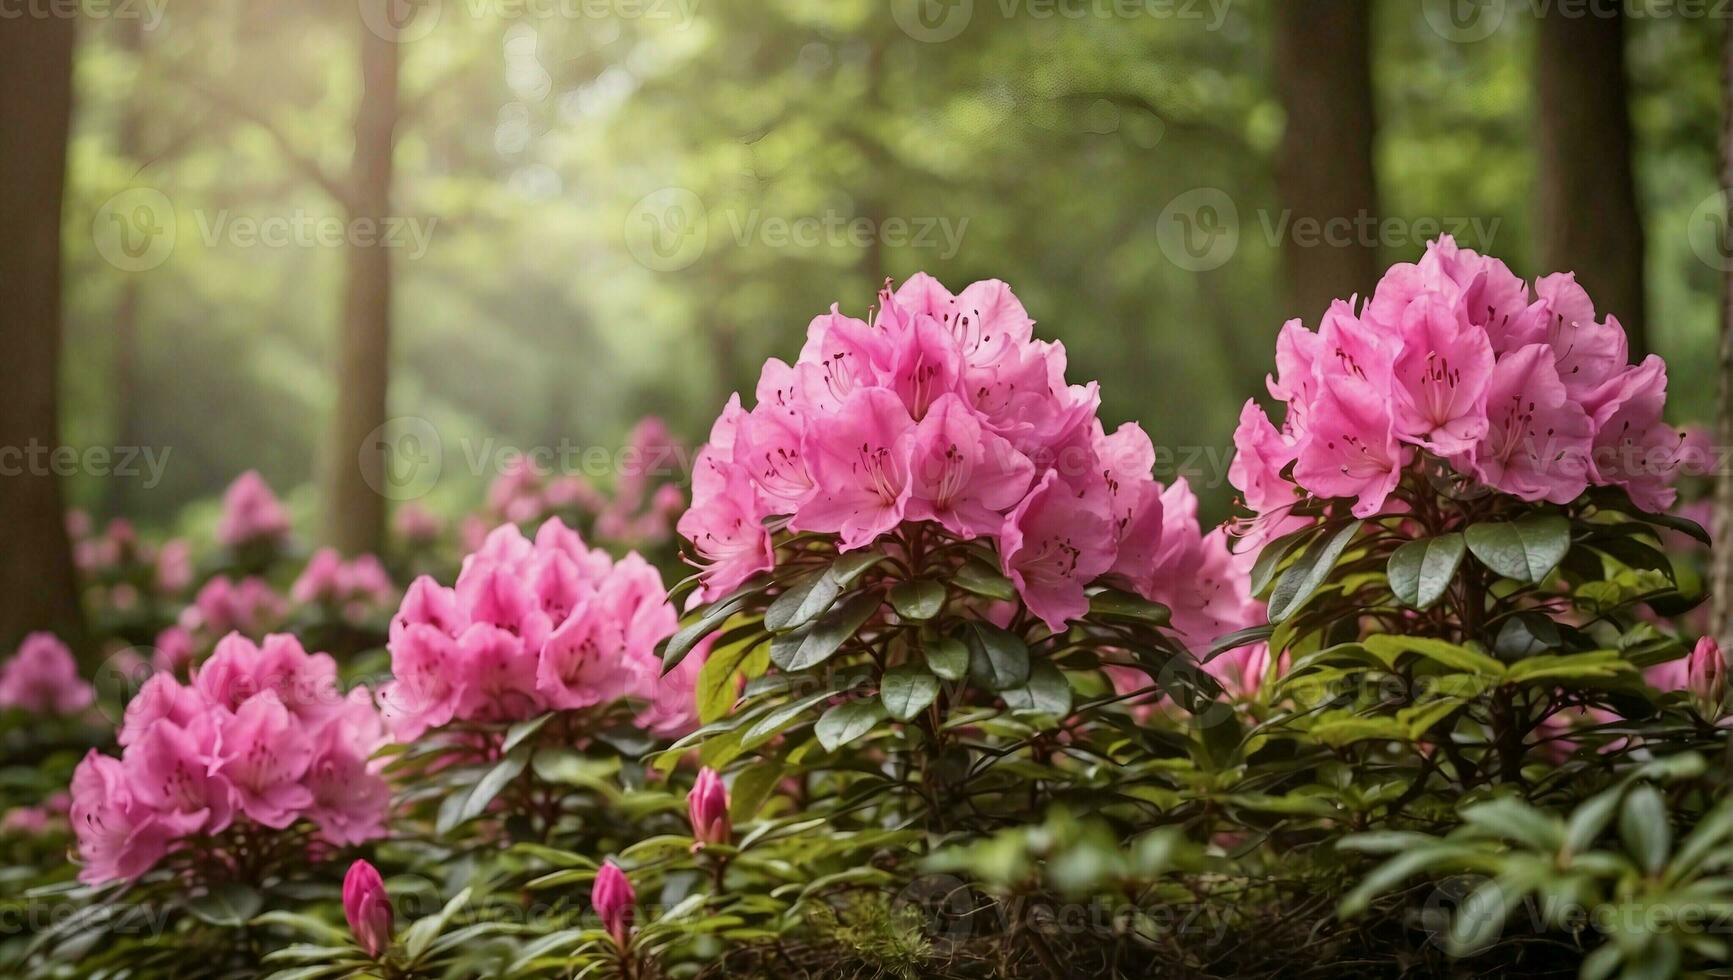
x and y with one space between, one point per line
263 733
249 606
945 409
532 626
42 678
416 524
251 513
523 494
356 587
1521 390
645 504
116 560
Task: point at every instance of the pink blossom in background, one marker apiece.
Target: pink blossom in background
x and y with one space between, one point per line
530 625
174 566
416 524
222 605
356 586
42 678
251 513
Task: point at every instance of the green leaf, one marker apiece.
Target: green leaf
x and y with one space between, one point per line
477 798
801 602
1511 818
751 787
711 617
947 657
1271 555
1525 635
907 690
1048 692
1683 525
998 659
1298 581
773 723
1421 571
229 904
1480 918
853 565
717 684
1591 818
918 601
427 929
1593 665
515 735
983 581
1525 550
817 642
1644 828
847 722
1114 604
1449 654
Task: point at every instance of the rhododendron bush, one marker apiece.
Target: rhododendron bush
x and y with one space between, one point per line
951 686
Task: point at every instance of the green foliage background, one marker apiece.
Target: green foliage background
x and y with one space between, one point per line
528 140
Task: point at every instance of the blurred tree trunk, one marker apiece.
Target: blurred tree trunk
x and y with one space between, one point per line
129 36
1721 557
38 586
1587 194
354 511
1324 171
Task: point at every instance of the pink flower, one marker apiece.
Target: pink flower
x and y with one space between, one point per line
964 476
265 752
172 770
859 458
118 838
613 899
251 512
1588 352
1633 448
707 808
416 524
1350 447
42 678
174 566
161 698
318 581
367 906
497 676
1706 678
427 684
842 355
672 711
1441 377
350 799
1053 544
1537 441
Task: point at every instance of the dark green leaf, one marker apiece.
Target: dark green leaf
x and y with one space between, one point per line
998 659
801 602
1525 550
1421 571
817 642
1525 635
1644 828
918 601
984 581
907 690
515 735
1270 557
947 657
1114 604
712 616
847 722
1048 692
1298 581
229 904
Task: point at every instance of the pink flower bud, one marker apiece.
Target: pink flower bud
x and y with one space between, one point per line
367 908
707 805
613 899
1706 678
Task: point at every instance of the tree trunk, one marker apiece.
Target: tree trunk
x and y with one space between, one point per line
354 510
38 586
1587 193
1324 171
1721 557
129 34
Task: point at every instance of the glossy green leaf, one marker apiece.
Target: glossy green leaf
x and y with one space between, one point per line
983 581
1048 692
918 601
1296 584
847 722
998 659
1420 572
947 657
907 690
1114 604
1526 550
817 642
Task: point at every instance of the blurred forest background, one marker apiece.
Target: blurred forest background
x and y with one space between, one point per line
598 209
